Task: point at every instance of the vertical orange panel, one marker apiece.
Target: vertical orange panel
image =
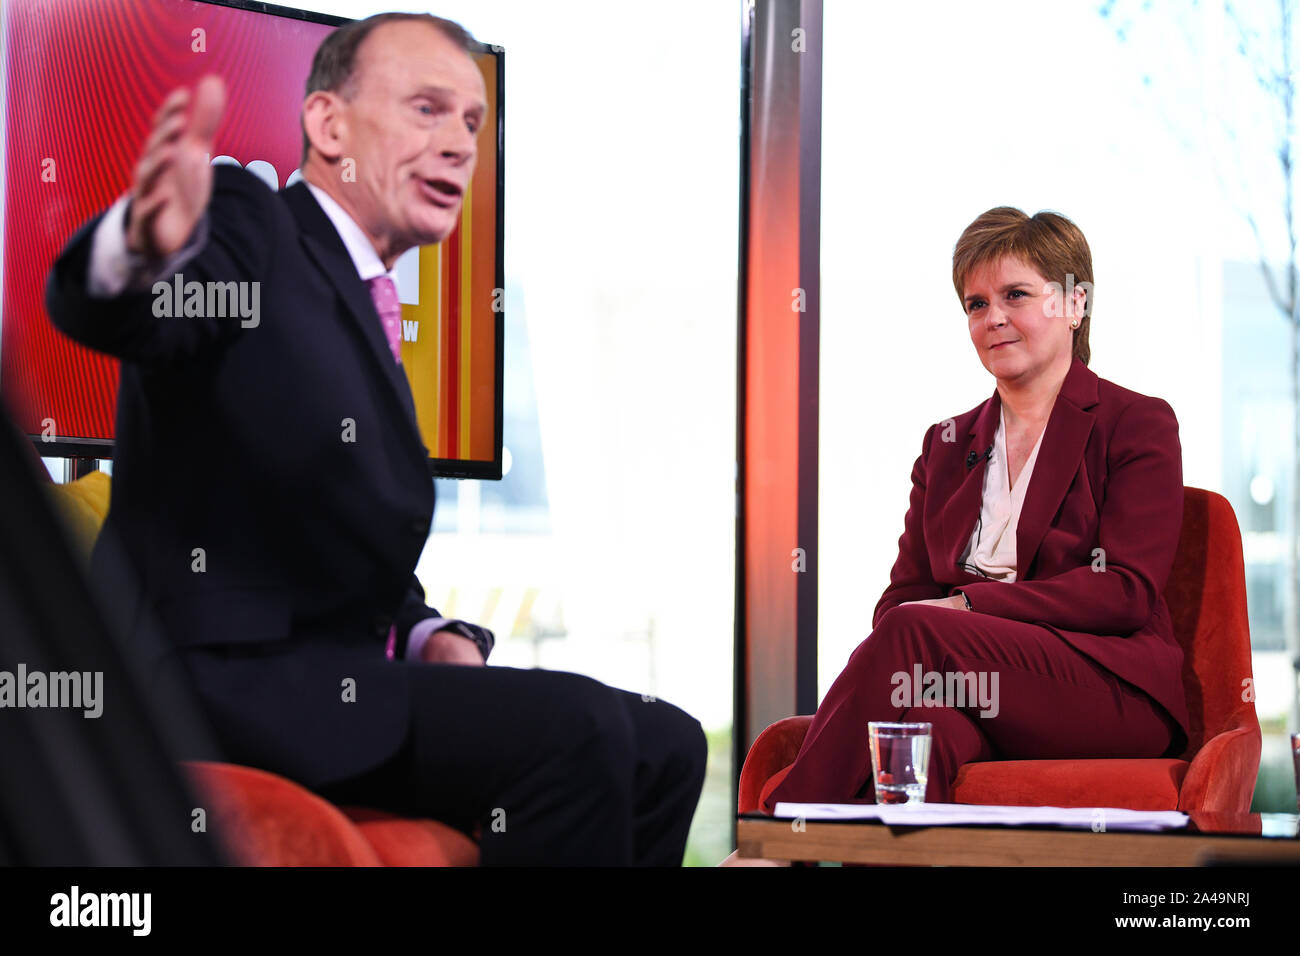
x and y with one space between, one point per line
776 652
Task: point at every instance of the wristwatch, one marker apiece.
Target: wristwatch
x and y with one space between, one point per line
965 597
481 636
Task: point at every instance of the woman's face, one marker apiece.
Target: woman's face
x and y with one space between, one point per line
1018 323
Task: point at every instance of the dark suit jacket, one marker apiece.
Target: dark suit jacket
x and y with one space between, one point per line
1108 475
231 440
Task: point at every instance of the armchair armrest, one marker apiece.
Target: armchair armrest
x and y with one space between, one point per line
1222 774
773 751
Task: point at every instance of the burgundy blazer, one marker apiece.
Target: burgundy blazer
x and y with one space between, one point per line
1109 475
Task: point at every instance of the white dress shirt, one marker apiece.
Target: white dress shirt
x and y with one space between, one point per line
363 254
992 546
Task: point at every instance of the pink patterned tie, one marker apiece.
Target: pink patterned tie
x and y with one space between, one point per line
383 291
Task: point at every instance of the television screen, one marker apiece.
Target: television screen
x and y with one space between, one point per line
80 81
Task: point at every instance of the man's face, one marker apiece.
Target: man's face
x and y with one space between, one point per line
412 129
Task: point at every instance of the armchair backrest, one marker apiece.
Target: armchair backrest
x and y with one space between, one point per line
1206 595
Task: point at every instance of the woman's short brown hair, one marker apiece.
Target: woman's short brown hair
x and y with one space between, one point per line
1047 241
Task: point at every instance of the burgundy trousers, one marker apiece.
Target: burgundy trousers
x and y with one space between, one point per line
1051 701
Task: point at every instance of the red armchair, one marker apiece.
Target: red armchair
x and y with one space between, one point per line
1206 594
268 820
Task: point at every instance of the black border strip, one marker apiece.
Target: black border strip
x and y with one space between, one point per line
740 695
810 224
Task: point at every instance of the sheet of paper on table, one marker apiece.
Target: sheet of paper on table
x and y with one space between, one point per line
940 814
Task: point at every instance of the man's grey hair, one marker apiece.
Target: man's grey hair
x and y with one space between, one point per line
334 66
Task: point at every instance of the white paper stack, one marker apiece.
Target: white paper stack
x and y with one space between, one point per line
942 814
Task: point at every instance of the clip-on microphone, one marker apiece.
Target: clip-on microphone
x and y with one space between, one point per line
972 459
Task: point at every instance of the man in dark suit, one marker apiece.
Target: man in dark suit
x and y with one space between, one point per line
271 488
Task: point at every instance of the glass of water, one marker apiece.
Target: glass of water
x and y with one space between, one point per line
900 761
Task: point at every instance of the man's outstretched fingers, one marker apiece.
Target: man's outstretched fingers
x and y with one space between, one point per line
173 178
209 102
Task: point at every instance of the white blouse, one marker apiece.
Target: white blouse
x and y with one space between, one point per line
992 546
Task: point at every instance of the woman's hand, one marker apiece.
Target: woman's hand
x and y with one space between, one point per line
953 601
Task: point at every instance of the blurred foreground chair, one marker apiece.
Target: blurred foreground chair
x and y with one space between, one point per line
1206 594
271 820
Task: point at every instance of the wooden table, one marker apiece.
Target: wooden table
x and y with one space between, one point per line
1211 838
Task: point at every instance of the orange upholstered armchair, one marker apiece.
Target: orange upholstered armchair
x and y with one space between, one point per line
1206 593
266 819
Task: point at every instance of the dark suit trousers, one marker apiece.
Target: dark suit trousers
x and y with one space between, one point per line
1053 702
548 767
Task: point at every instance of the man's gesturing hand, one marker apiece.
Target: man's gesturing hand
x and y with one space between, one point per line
173 180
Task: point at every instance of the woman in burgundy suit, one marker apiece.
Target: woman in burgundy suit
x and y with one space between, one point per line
1039 536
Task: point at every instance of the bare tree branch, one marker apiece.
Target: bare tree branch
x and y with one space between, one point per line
1283 305
1268 79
